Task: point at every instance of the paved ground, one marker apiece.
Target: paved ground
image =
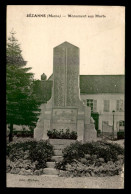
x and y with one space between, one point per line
52 181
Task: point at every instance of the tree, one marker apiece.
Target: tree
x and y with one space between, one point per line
43 90
21 104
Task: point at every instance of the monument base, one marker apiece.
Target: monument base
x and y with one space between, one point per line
65 118
90 133
39 130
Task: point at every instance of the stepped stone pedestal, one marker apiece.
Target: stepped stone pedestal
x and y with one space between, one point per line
65 108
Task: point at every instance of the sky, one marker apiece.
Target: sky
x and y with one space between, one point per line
101 40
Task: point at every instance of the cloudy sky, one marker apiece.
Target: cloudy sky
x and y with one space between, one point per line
101 39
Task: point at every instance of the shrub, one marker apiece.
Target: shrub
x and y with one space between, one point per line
81 170
104 150
16 150
95 150
61 165
55 134
40 151
73 135
23 133
74 151
120 135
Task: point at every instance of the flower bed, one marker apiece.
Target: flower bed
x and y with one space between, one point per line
55 134
28 157
91 159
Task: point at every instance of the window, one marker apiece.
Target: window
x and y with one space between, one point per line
106 105
90 103
93 104
119 106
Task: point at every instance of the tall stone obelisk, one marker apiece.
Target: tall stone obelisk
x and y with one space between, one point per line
65 108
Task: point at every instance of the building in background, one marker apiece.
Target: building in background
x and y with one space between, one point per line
104 94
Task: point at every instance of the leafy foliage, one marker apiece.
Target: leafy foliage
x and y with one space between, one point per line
77 169
39 152
21 104
42 152
13 52
55 134
91 159
74 151
100 149
13 150
120 135
42 90
24 133
104 150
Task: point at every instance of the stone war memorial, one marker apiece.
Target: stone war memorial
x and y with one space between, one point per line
65 109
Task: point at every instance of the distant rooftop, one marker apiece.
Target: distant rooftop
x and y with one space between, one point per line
95 84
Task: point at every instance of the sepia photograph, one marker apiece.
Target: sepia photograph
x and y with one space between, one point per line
65 96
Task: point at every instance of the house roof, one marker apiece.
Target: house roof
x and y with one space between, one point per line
94 84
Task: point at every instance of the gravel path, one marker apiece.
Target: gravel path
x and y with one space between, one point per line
52 181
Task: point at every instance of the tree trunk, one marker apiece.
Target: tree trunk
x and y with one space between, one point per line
11 133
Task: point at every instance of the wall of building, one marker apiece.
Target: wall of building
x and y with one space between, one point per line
106 116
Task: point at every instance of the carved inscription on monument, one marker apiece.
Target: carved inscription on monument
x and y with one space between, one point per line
59 77
64 115
72 76
66 75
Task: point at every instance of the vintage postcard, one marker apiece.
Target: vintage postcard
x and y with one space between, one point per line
66 63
